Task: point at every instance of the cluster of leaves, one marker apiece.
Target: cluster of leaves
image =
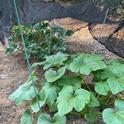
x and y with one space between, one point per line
64 90
40 39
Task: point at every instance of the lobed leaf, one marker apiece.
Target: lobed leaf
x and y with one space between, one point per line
86 63
49 94
74 81
46 119
102 88
24 92
69 99
111 116
54 60
116 85
27 117
36 105
119 104
93 101
91 116
112 76
52 75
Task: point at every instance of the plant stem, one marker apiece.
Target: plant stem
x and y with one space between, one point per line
108 99
76 113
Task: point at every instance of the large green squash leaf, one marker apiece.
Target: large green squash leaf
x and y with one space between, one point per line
52 75
49 94
102 88
111 116
116 85
46 119
112 76
54 60
37 104
115 68
25 91
86 63
93 101
26 117
91 116
114 116
119 104
74 81
69 99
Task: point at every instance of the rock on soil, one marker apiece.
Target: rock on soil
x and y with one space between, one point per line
102 32
69 23
116 43
113 42
83 40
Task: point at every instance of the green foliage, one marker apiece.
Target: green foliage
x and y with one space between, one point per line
114 116
102 88
64 90
110 79
54 60
24 92
91 116
46 119
86 63
93 100
70 98
119 104
49 92
52 75
26 117
40 39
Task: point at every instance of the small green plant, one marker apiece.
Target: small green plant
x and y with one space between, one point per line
40 39
65 90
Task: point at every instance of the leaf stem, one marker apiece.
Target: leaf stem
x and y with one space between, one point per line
108 99
76 113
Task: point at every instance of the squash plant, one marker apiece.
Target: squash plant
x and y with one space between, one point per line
40 39
65 90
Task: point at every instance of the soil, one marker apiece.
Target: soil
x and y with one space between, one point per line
12 74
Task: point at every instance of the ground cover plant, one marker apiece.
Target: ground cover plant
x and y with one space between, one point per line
64 90
40 39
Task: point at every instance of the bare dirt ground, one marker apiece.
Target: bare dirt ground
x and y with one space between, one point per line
12 74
